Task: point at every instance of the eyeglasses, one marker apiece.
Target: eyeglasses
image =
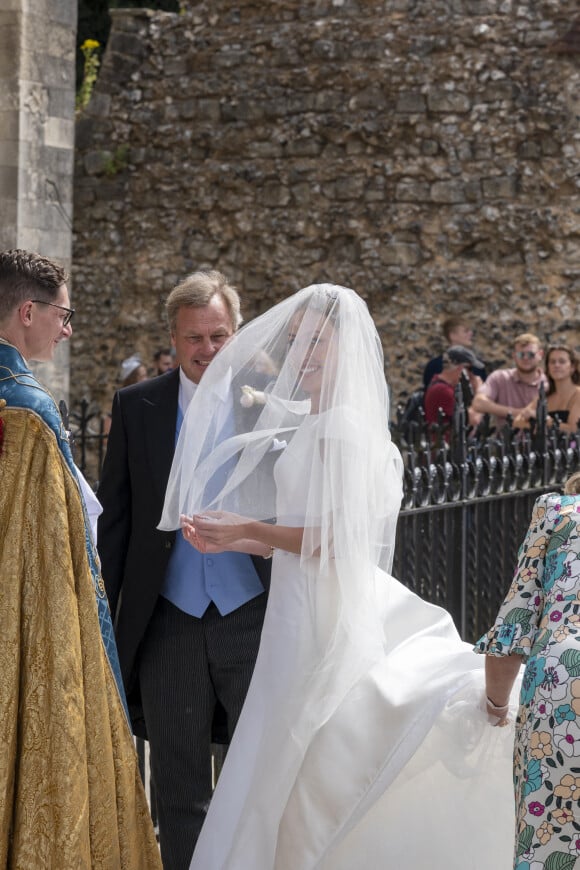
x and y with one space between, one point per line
526 354
69 311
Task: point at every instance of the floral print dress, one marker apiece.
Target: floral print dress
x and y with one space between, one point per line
540 620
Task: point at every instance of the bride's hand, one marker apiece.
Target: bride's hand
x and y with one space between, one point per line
191 536
220 529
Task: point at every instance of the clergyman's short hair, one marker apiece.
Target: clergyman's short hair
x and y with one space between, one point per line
197 290
25 275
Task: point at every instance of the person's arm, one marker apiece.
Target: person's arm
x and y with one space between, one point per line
573 415
483 404
524 415
473 418
500 675
216 531
475 381
510 640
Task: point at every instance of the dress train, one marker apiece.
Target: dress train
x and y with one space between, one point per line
407 772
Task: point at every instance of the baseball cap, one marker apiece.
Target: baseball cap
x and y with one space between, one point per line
457 354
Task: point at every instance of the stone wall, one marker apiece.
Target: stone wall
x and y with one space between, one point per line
37 104
424 152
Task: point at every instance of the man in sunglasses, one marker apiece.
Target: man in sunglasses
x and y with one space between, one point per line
70 792
508 391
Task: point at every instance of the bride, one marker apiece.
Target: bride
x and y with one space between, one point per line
362 741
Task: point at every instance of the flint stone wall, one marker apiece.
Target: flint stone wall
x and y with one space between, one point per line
423 152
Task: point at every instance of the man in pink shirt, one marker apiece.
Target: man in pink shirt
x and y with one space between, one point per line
508 391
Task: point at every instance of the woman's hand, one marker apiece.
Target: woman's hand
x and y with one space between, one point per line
219 529
215 531
498 715
500 675
190 534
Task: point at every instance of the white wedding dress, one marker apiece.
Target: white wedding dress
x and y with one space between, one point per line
406 774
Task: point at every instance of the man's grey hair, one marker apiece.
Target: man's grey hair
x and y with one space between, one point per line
197 290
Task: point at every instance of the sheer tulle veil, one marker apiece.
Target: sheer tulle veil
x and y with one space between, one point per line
326 368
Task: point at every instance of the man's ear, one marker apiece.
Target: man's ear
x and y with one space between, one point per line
25 313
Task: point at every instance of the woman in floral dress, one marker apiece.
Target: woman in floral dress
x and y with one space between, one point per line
539 623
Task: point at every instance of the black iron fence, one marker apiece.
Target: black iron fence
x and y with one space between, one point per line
461 555
88 429
468 496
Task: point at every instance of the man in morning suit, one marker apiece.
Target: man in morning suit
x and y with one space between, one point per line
187 625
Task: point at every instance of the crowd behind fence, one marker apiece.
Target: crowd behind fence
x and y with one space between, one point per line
468 496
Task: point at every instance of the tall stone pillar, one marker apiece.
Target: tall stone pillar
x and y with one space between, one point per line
37 95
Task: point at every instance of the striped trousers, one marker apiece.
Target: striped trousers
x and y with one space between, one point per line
186 666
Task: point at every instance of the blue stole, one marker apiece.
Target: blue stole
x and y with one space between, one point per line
195 579
21 390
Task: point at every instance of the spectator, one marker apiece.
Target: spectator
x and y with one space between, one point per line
507 391
441 391
563 396
132 371
457 331
163 360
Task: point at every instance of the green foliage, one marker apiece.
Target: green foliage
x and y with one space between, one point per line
94 21
117 161
89 49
